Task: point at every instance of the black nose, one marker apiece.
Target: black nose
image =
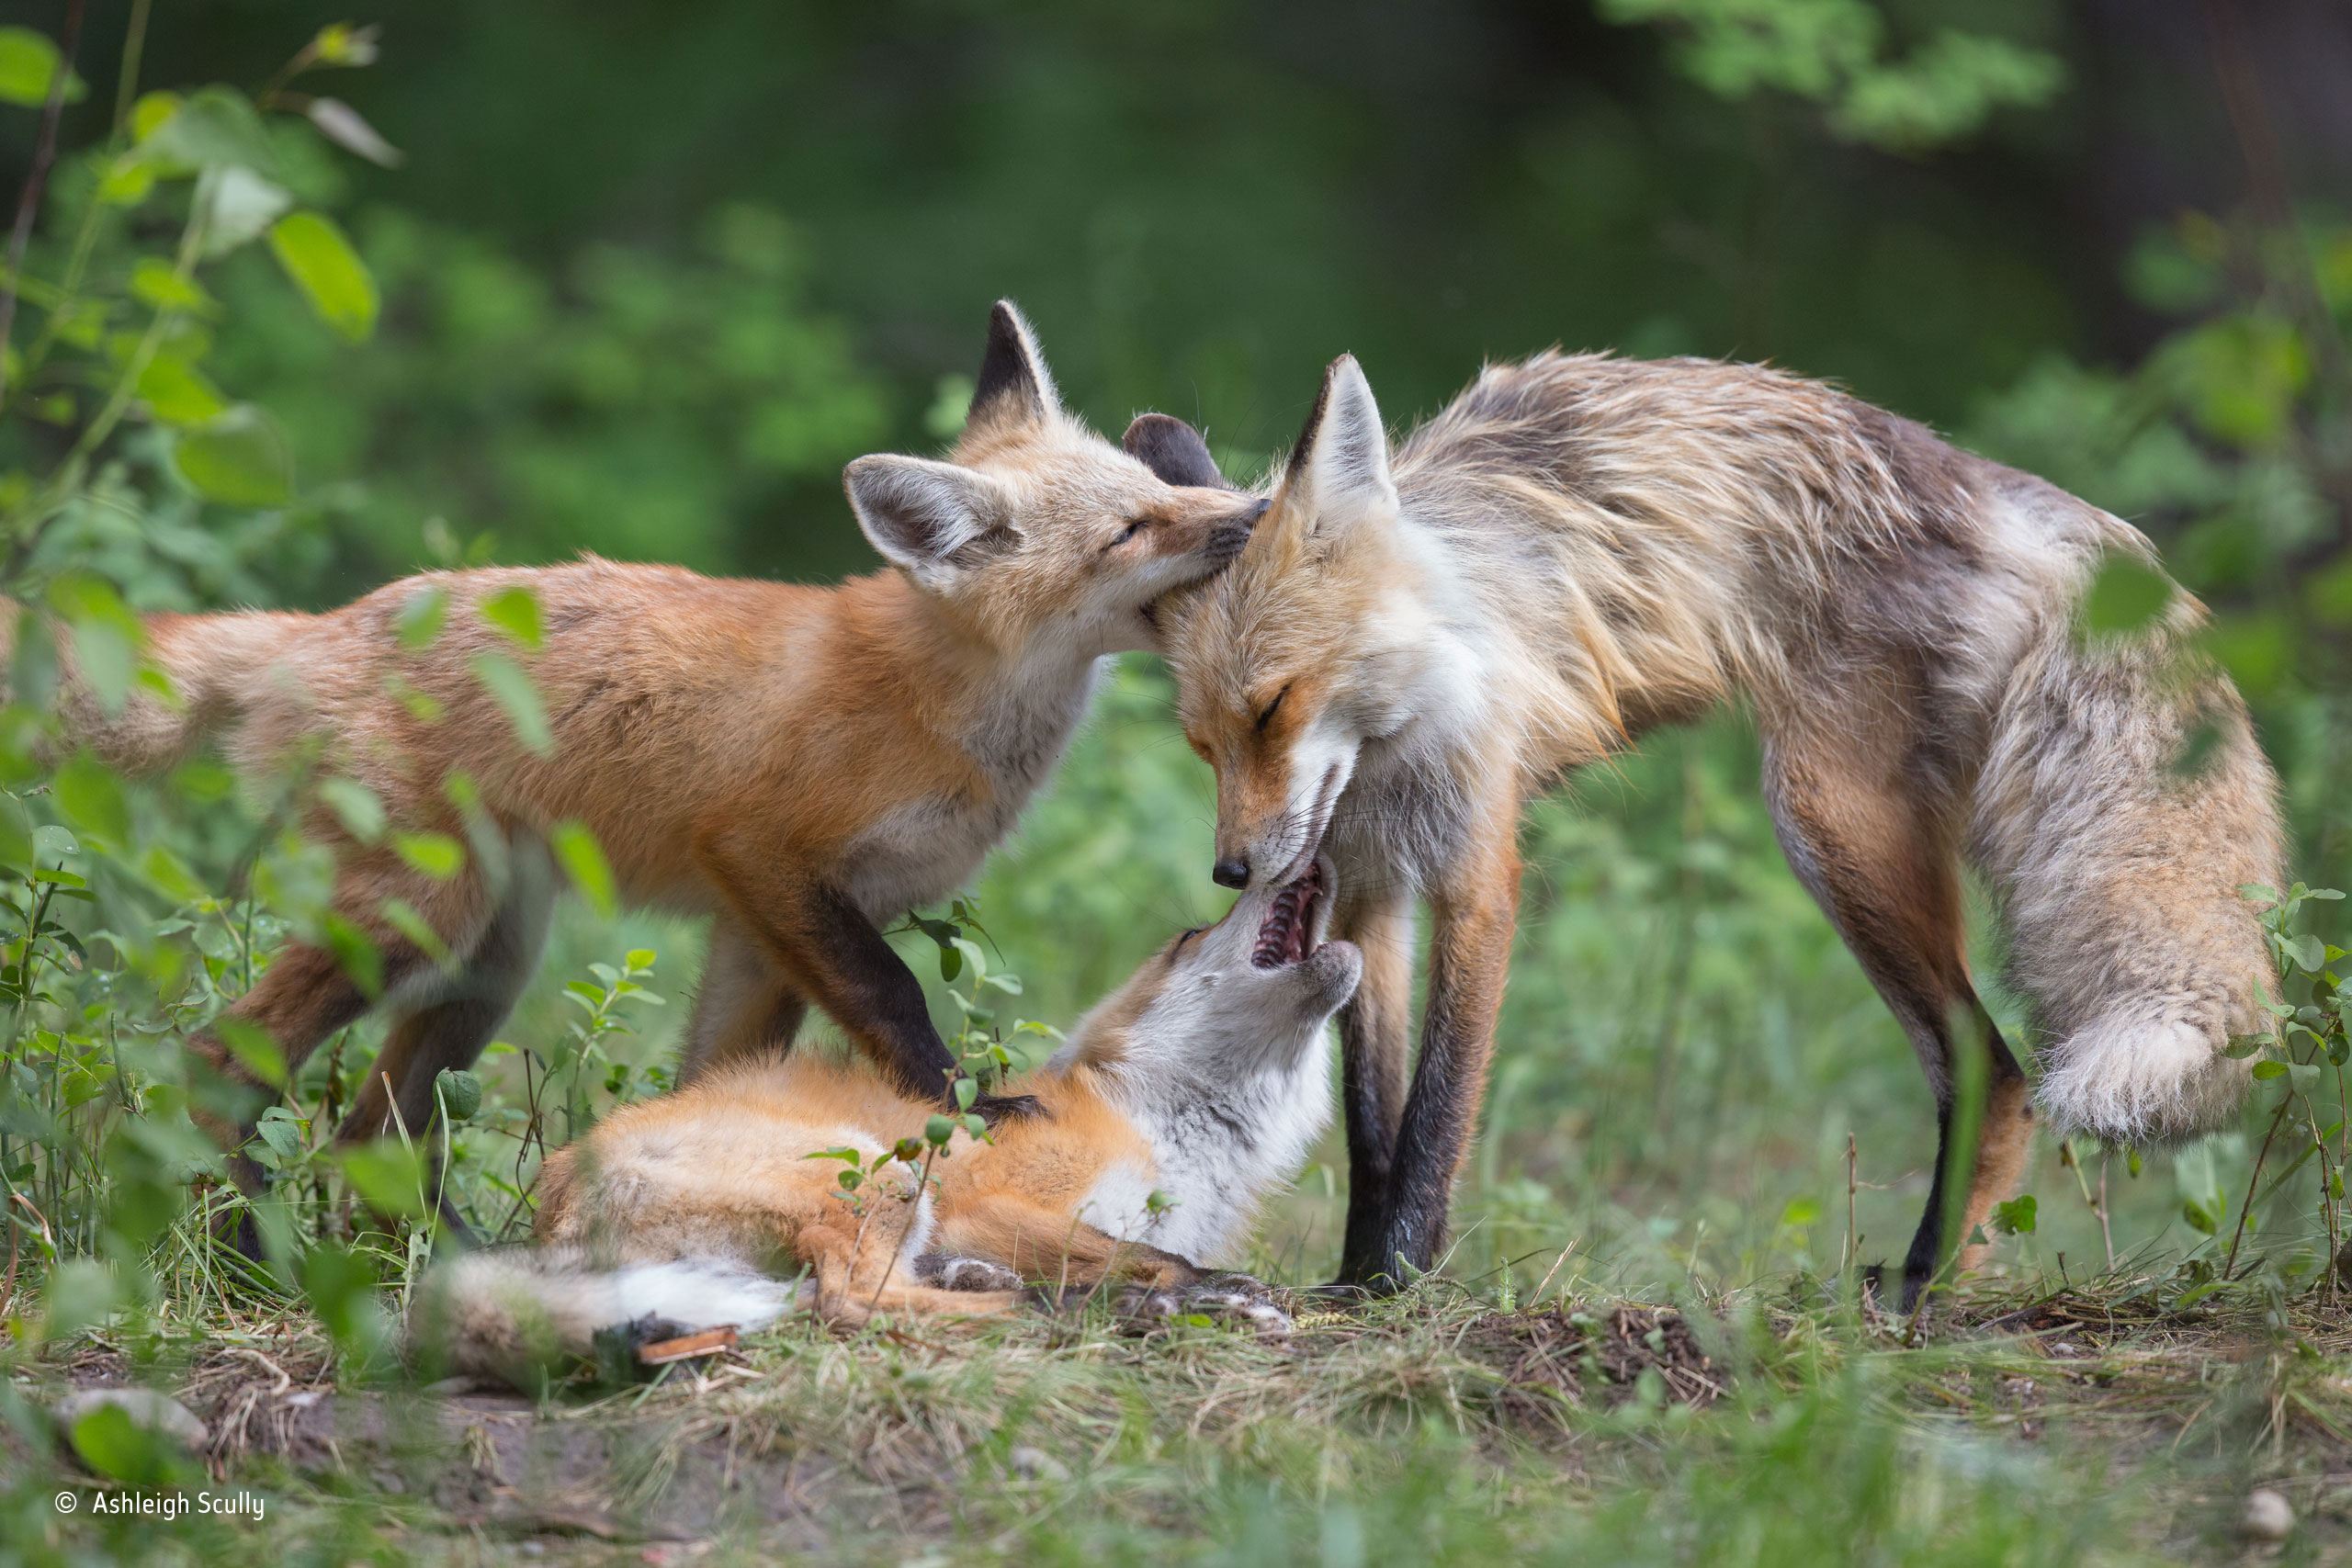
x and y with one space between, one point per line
1234 873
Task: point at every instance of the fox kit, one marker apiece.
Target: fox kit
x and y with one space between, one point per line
802 764
1580 548
1178 1102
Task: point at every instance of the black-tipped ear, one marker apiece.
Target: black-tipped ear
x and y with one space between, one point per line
1014 381
1173 451
924 516
1341 460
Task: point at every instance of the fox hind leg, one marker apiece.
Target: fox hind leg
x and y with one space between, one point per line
1881 860
744 1005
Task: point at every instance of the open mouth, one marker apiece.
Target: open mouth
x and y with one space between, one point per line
1287 936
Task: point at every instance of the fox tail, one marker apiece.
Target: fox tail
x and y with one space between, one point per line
504 1312
219 667
2124 802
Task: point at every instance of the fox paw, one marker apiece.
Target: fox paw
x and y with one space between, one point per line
996 1108
948 1273
1235 1298
1238 1296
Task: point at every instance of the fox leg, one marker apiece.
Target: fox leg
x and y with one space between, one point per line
1049 1247
307 994
744 1005
829 951
1880 859
1474 912
1373 1027
449 1029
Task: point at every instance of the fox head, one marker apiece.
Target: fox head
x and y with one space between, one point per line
1248 995
1317 641
1036 526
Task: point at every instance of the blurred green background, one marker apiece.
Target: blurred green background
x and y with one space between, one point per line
651 274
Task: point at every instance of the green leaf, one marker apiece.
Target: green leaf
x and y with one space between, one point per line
88 791
240 458
437 855
316 255
2307 951
516 612
583 863
29 63
421 617
114 1445
178 394
460 1093
157 283
355 806
2015 1217
81 1292
2241 1047
340 1284
937 1131
2273 1070
251 1044
2126 596
282 1130
2198 1217
355 951
390 1175
209 129
402 916
512 689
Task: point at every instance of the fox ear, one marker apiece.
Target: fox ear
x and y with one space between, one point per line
1014 384
933 519
1173 451
1340 468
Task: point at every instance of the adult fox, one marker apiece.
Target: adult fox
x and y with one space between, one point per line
803 763
1201 1081
1580 548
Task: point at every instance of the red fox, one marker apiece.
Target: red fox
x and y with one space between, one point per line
1580 548
1177 1103
803 763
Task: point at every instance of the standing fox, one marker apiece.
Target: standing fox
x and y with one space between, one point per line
1580 548
1180 1102
803 763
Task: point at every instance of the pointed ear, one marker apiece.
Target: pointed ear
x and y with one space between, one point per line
1015 383
1173 451
934 519
1340 466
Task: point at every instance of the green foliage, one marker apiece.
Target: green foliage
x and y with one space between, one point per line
1835 52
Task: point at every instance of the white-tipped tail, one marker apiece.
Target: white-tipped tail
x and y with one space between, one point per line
500 1313
2122 806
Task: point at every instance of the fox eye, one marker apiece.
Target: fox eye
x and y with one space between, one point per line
1267 718
1185 938
1135 525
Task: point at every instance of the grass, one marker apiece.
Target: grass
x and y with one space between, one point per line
2032 1426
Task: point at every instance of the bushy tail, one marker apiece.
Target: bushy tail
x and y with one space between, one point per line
2122 805
220 667
504 1312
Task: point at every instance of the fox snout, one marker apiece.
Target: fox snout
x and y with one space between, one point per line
1225 538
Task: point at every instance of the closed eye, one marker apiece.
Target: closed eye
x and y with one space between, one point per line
1185 938
1267 718
1135 525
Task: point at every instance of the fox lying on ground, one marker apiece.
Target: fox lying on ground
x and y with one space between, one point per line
1177 1103
1580 548
803 763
